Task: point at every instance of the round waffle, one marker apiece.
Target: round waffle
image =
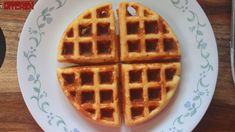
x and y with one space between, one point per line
137 78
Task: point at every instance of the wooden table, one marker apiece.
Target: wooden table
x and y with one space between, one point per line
14 115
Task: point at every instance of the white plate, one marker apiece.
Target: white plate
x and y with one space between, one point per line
36 66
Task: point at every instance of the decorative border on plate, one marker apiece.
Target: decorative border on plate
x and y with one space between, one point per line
45 18
191 106
202 88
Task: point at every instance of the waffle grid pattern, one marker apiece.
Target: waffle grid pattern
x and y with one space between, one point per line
145 35
93 90
90 38
146 88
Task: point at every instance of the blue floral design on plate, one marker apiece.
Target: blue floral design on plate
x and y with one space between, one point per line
191 106
45 18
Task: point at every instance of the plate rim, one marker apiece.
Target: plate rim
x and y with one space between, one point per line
210 32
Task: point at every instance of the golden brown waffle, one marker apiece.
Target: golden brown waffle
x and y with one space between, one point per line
91 38
147 88
144 35
93 90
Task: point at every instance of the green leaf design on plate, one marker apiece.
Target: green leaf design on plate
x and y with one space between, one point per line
196 98
35 38
199 32
44 12
201 89
42 25
49 20
46 18
37 90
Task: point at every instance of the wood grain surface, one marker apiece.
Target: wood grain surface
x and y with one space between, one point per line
14 115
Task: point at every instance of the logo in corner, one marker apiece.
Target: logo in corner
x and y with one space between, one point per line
17 4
